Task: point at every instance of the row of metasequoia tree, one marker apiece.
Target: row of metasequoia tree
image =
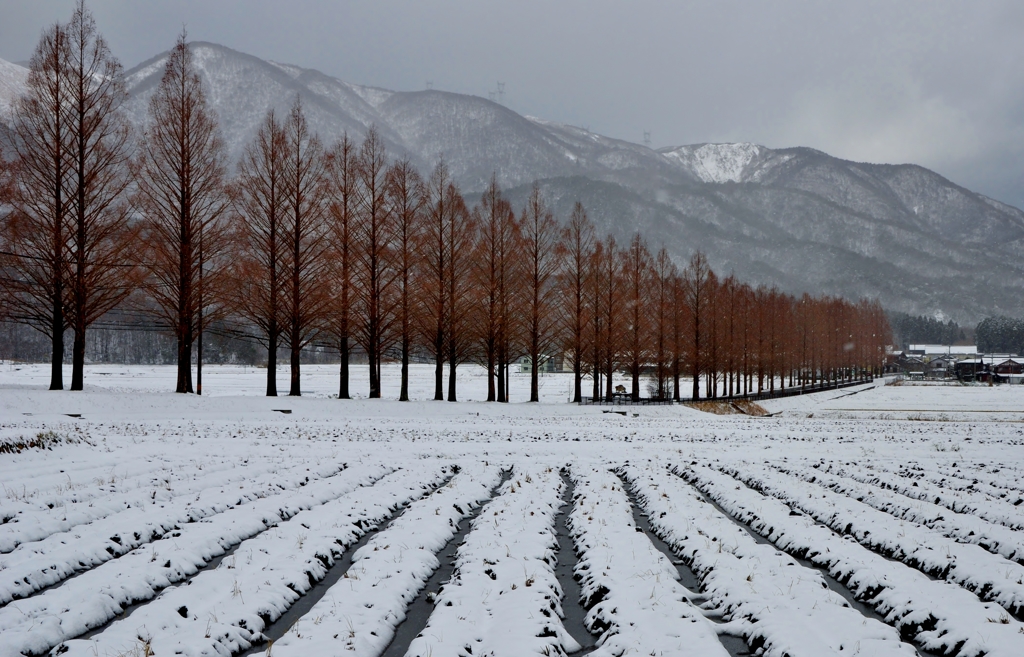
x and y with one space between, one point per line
339 244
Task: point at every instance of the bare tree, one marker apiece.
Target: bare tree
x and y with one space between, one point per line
180 182
712 334
342 171
35 234
497 236
612 293
637 335
259 199
595 296
305 232
441 204
696 297
543 260
662 276
461 240
680 320
102 271
509 296
405 195
578 246
729 297
374 236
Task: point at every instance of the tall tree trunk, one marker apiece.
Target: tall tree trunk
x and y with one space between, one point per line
439 366
184 383
452 393
295 346
199 352
78 358
343 375
490 371
403 394
696 367
577 373
534 370
199 321
502 392
294 389
57 345
373 355
79 316
272 360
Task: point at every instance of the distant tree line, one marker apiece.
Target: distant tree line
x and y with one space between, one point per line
1001 335
920 329
311 246
138 339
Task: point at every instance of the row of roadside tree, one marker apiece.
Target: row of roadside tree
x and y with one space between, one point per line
302 243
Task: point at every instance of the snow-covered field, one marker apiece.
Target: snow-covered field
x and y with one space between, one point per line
875 520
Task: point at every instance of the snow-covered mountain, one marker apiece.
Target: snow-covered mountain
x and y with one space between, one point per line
12 83
475 135
794 217
720 163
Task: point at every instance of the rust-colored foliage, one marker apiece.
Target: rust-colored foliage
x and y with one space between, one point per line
343 248
68 239
180 193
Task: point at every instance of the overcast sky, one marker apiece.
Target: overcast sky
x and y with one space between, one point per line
933 82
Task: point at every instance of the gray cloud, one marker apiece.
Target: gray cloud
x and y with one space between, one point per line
930 82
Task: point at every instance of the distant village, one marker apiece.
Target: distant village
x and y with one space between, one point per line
956 362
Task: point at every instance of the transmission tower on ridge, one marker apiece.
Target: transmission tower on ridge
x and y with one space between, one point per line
647 138
430 85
